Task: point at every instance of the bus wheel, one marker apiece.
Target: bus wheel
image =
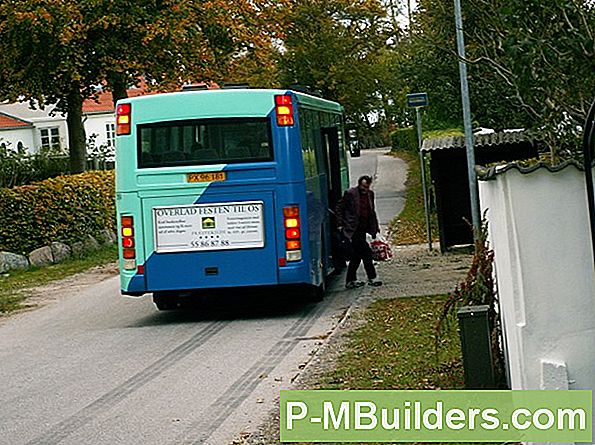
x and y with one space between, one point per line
166 301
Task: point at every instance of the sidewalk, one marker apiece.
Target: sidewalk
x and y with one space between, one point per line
417 271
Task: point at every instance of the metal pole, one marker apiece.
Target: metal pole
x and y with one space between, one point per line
423 178
588 136
467 120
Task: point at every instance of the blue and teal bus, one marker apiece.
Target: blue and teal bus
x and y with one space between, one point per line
227 188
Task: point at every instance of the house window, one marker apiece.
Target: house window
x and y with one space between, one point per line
50 138
110 131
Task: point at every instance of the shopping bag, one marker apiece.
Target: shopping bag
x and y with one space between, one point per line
381 250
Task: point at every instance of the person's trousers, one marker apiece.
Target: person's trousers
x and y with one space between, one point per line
361 252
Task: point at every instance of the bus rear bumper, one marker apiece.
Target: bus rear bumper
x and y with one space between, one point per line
294 274
135 285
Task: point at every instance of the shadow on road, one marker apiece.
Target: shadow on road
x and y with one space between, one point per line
239 304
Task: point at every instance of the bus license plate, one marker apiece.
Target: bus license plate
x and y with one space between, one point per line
206 177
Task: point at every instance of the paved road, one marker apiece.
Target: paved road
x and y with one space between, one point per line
94 368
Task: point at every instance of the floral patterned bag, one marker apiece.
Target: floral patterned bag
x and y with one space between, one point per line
381 250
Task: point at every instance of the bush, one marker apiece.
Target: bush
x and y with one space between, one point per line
404 139
17 167
65 209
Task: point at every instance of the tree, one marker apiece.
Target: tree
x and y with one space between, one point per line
430 64
58 52
336 46
544 52
530 63
256 61
43 61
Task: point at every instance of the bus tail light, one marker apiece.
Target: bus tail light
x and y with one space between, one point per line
128 251
291 223
293 245
123 119
284 110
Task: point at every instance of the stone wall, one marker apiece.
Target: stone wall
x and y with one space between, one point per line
54 253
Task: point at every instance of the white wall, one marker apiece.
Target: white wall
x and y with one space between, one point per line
539 229
24 135
95 124
31 137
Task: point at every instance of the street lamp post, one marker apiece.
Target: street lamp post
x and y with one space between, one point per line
467 120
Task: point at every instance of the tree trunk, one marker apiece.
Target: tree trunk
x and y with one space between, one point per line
76 130
117 83
409 19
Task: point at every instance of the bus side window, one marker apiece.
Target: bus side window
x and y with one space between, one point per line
319 144
308 152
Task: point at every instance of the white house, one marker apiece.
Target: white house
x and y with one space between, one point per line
32 129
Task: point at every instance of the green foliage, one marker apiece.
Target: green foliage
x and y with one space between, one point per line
550 71
57 52
530 65
404 139
430 64
101 156
337 47
65 209
17 167
431 134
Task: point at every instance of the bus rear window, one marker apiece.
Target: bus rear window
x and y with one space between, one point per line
205 141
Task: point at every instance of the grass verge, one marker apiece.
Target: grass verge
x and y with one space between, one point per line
396 349
14 285
409 227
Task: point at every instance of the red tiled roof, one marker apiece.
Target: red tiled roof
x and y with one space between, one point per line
104 102
7 121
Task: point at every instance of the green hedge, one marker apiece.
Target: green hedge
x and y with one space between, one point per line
65 209
19 167
404 139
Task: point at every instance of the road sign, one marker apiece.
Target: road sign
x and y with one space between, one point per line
417 100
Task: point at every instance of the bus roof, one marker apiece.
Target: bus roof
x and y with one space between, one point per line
218 103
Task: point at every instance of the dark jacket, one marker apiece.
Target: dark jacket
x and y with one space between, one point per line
347 212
